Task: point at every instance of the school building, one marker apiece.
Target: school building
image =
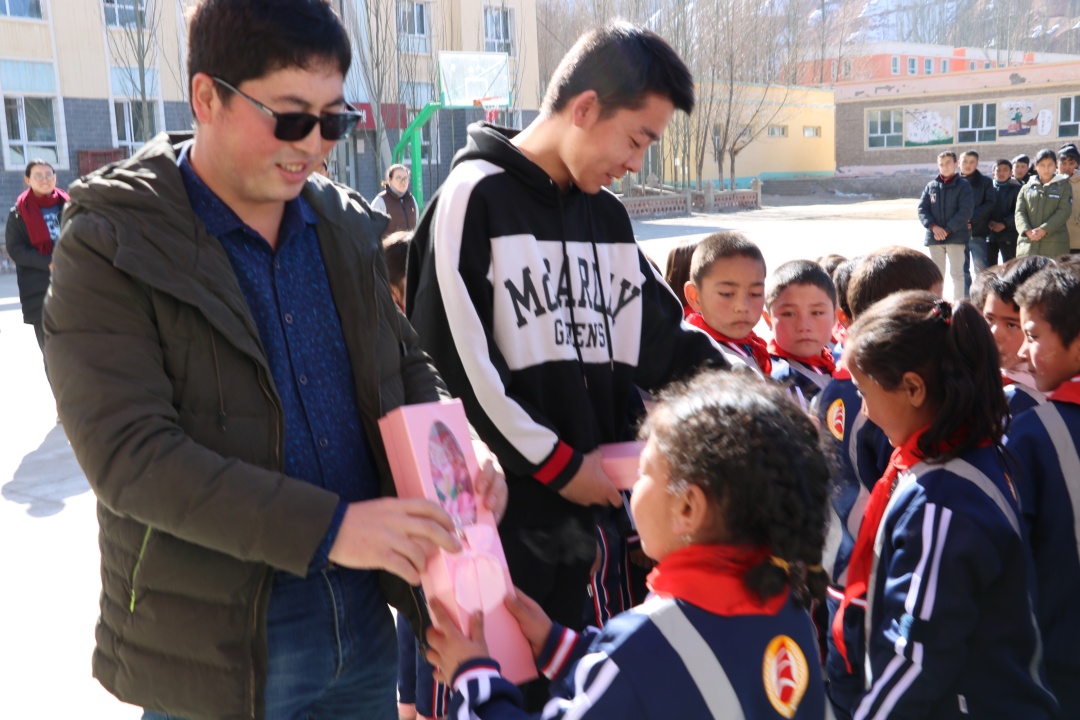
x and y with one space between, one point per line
799 141
86 82
899 125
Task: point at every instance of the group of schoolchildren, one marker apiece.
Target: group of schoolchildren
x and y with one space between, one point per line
941 571
952 551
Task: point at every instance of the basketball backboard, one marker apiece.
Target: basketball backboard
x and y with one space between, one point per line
471 79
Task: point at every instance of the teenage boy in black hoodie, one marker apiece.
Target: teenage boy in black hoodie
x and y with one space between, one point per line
982 191
528 290
1002 223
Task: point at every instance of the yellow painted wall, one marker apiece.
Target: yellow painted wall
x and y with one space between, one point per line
25 40
792 155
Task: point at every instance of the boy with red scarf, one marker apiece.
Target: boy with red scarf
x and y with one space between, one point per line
33 226
801 299
1044 441
726 292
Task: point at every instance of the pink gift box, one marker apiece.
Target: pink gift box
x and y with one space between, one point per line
431 456
619 462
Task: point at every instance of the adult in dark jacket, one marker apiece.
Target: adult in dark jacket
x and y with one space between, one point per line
396 201
223 342
1002 221
33 227
982 192
945 210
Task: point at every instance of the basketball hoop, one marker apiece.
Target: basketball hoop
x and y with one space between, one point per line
491 106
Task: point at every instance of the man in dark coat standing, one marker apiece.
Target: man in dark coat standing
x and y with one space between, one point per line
945 210
1002 221
982 192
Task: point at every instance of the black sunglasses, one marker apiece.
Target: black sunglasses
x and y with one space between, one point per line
291 127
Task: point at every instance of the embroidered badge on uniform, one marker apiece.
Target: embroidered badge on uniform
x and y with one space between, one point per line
834 418
785 673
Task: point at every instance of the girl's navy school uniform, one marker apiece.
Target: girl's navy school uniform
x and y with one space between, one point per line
700 647
949 618
1044 442
1021 394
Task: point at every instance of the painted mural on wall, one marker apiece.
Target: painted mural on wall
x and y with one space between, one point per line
1026 119
928 126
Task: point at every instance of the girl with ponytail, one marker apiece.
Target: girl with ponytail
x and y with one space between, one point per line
731 502
940 567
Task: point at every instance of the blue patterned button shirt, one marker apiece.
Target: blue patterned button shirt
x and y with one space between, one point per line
289 297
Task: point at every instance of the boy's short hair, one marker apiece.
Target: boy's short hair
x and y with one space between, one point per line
831 262
396 251
980 285
798 272
889 270
1011 276
623 63
1003 161
946 154
841 278
1021 159
718 246
238 40
972 153
1055 292
34 163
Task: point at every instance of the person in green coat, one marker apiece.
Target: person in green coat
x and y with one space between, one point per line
1043 210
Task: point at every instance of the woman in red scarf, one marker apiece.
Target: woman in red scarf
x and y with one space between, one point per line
731 504
33 227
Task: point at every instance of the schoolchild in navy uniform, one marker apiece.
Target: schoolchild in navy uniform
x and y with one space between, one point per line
860 450
993 292
801 301
941 561
1044 441
841 276
731 503
726 292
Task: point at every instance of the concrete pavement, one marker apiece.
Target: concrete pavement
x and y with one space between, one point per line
49 580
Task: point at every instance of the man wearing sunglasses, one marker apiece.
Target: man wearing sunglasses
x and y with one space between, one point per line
224 340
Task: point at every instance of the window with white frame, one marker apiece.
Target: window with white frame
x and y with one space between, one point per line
928 66
847 69
944 66
412 25
811 131
977 123
885 128
133 125
1069 116
912 66
21 8
499 29
31 113
122 13
895 65
777 131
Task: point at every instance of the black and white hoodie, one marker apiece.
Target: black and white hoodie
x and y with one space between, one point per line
541 313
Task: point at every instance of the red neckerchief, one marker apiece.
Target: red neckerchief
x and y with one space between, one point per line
711 577
946 181
1068 391
747 346
841 374
30 206
823 363
839 333
687 311
862 556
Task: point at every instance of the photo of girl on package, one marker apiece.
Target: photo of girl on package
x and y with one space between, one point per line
450 475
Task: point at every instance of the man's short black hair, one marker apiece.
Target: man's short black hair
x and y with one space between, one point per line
972 153
946 154
1021 159
238 40
1045 154
1055 292
720 245
623 63
34 163
1003 161
798 272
